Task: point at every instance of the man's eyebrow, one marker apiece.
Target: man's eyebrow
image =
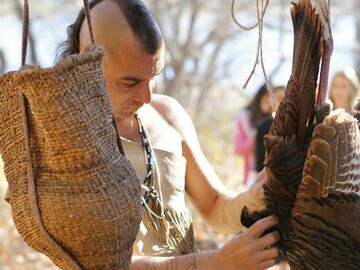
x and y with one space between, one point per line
130 78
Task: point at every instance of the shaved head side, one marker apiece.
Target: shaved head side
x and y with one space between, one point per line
136 15
143 24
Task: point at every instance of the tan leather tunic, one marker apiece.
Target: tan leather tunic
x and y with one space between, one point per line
153 238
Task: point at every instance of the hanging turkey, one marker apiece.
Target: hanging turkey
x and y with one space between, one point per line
312 157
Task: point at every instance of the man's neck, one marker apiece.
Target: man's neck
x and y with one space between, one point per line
128 128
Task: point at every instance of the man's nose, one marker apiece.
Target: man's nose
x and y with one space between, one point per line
144 94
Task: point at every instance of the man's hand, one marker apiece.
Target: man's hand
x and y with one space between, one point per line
249 250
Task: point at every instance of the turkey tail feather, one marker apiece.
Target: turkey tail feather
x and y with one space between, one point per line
297 107
285 155
327 207
312 156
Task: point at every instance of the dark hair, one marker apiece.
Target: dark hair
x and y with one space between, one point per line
256 115
139 17
278 87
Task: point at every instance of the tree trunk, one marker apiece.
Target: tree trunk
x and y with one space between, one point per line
2 62
357 44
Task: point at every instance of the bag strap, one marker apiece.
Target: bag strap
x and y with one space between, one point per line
88 20
25 28
25 32
87 15
34 207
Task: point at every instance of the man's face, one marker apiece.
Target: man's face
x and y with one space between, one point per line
129 72
341 91
130 76
265 104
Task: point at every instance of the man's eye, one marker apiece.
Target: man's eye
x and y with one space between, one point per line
130 84
124 87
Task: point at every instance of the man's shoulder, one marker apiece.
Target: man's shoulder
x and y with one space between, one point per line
166 105
165 101
171 110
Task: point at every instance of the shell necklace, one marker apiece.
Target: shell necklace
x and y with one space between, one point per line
152 199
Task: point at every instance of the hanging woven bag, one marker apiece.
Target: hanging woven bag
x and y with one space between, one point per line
74 195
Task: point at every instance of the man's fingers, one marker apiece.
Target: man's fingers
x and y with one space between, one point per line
262 176
269 253
268 240
267 264
261 225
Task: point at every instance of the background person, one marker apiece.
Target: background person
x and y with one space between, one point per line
264 127
246 124
344 89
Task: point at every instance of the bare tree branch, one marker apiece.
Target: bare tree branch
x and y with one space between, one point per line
2 62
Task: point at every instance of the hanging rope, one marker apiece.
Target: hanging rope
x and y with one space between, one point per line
25 32
260 10
247 28
87 14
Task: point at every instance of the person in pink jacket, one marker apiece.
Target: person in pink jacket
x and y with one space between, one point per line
246 123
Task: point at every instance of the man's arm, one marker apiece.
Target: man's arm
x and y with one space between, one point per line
219 208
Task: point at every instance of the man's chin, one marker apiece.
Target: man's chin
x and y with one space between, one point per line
126 115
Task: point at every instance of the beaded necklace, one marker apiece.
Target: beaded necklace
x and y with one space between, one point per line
152 199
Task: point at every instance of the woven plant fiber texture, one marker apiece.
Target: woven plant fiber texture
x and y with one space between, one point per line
74 196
